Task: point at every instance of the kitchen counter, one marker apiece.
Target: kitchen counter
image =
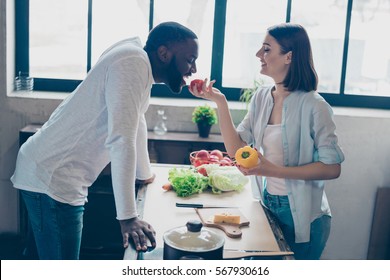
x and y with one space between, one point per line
262 238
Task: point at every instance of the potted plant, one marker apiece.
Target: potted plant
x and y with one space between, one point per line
204 116
247 93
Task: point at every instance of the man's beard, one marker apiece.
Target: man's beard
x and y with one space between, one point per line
174 77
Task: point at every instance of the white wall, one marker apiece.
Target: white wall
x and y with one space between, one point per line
365 141
363 134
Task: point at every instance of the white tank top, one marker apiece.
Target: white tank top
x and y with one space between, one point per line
273 151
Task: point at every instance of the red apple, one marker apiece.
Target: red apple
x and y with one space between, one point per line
214 159
202 154
224 162
197 83
217 153
202 171
198 162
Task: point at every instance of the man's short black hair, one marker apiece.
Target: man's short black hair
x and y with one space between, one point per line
166 33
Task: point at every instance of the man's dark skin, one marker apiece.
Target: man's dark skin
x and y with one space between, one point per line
170 63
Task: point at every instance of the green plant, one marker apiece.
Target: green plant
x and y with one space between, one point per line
247 93
204 114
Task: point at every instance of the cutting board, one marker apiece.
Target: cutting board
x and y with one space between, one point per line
232 230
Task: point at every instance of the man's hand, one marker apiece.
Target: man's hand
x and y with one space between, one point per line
139 232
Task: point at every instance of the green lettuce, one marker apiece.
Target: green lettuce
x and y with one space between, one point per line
186 182
225 178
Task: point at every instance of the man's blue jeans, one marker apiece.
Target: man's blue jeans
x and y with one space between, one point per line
319 229
57 226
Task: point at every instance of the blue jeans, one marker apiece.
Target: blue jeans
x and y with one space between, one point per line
57 227
319 229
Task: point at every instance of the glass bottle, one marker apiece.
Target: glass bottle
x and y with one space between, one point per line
160 128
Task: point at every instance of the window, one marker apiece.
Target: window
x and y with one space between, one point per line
58 39
324 22
368 68
246 24
113 21
62 40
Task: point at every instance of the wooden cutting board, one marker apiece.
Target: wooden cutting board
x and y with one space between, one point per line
232 230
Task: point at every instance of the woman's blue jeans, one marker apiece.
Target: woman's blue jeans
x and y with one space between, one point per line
319 229
57 227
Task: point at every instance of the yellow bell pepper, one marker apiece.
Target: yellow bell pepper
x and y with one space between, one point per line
247 157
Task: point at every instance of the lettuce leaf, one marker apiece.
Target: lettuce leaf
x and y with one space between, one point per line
225 178
186 182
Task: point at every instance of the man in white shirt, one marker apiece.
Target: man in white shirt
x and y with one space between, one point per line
102 121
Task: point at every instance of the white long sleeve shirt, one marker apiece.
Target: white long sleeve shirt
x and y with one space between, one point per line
102 121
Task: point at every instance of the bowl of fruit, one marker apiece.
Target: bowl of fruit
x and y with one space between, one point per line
198 158
201 157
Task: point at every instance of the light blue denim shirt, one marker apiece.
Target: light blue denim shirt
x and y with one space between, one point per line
308 135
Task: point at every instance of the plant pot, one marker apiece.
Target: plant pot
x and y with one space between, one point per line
204 129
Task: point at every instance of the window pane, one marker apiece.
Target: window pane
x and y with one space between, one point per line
324 21
198 15
113 21
246 24
368 68
58 39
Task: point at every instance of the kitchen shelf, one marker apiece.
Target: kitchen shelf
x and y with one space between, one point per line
185 137
190 137
173 147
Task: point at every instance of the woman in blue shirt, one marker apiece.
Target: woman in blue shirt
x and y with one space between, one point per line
293 127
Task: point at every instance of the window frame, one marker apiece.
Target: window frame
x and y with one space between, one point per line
158 90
